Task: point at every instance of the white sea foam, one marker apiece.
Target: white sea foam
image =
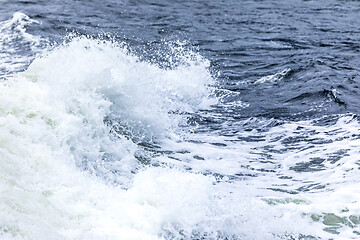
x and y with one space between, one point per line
302 169
16 44
18 23
274 78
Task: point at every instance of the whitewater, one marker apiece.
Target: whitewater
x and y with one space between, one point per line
99 142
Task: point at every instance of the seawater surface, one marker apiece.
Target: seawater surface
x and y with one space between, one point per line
179 119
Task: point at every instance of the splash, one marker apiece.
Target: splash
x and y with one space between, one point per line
140 94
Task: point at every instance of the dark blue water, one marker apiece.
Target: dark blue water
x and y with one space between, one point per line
284 127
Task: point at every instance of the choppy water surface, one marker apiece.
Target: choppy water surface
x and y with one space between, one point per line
179 120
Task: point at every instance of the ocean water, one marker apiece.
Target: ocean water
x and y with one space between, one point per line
179 119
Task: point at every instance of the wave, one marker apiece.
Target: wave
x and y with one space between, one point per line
142 94
57 122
